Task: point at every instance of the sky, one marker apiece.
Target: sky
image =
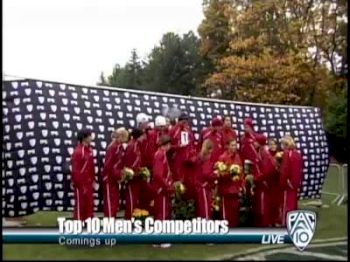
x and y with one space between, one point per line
75 40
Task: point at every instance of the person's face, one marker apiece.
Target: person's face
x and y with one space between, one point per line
118 138
227 122
272 145
162 128
167 147
184 123
207 150
256 145
88 140
232 147
284 145
114 135
142 137
143 126
125 138
121 138
247 129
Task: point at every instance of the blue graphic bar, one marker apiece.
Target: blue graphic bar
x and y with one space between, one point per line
52 236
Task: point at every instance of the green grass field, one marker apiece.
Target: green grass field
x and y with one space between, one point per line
332 222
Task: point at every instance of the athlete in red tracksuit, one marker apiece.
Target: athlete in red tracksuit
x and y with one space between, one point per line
161 128
247 149
111 174
214 134
228 133
263 182
228 189
204 180
83 176
291 176
162 181
275 195
145 142
149 146
132 159
172 124
184 148
148 149
161 131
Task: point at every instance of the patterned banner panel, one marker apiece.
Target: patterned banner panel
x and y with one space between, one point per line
40 121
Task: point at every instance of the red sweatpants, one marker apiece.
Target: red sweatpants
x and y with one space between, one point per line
261 208
110 199
188 181
146 196
162 207
204 203
230 209
275 199
178 167
132 198
290 203
84 201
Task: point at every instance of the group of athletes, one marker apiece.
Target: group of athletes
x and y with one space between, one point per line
172 155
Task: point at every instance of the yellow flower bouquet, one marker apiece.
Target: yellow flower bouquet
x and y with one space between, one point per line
145 173
216 203
250 179
221 169
279 157
128 174
235 171
179 188
140 214
248 167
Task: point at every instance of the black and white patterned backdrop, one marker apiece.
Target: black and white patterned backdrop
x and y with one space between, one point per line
40 120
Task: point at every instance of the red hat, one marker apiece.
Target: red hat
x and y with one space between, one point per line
215 122
261 139
249 122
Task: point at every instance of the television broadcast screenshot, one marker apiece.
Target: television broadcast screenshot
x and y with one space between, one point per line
174 130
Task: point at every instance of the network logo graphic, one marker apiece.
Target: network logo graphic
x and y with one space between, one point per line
301 225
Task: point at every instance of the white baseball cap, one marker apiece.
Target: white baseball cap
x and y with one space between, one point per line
142 118
160 121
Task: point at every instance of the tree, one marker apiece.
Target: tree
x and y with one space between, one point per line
103 80
215 29
269 59
129 76
328 34
258 67
133 71
337 114
321 28
117 78
287 52
176 65
336 124
163 64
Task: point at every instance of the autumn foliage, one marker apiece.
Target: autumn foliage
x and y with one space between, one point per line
269 58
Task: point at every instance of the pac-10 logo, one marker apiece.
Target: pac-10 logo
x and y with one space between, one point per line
301 225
